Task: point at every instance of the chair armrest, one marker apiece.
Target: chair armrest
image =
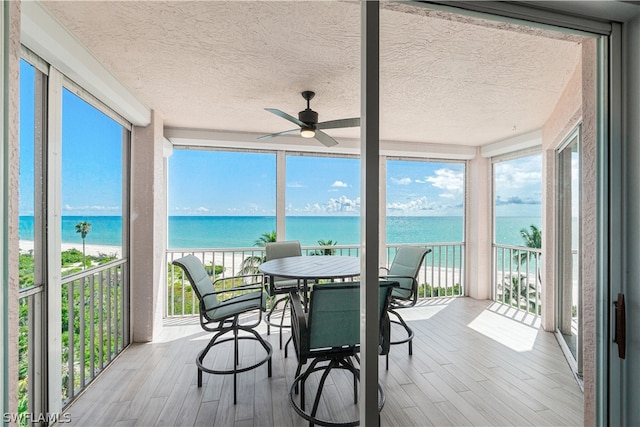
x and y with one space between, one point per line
257 286
414 289
258 282
244 287
392 276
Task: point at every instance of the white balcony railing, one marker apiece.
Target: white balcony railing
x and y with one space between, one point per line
95 324
442 273
517 277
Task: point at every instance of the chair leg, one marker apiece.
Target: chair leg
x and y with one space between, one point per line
410 333
267 317
237 369
286 346
202 355
297 374
236 358
333 363
323 378
284 311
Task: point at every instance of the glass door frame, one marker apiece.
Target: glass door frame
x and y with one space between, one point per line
575 360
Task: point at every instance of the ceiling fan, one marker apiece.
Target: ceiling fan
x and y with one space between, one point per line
308 122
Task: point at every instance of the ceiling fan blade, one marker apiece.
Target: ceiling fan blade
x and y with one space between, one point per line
286 116
342 123
326 140
284 132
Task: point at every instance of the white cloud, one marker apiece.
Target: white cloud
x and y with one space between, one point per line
519 173
340 205
447 179
344 204
95 208
401 181
415 205
339 184
295 185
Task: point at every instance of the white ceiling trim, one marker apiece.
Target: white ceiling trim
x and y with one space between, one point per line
541 14
517 143
47 38
293 143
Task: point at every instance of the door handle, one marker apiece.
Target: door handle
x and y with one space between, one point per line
621 326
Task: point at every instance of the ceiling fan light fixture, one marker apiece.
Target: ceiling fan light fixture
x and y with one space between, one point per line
307 133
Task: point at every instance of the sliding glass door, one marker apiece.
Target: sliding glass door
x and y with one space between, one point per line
569 290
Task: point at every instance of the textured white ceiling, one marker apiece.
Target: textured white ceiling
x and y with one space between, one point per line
218 64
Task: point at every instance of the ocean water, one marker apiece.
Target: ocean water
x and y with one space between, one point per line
236 231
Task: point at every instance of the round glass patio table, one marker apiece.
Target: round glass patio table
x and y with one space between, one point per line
312 267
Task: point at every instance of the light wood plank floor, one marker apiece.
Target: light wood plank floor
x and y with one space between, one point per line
474 363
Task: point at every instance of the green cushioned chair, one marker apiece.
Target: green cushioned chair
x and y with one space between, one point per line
280 285
329 336
223 315
404 270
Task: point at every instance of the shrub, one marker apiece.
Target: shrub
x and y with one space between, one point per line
71 256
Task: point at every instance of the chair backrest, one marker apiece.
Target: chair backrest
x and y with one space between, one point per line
275 250
284 249
199 279
407 263
334 313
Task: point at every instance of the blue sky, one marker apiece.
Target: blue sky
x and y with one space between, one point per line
237 183
91 155
518 187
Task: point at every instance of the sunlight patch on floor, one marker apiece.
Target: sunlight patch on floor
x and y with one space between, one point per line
426 309
505 330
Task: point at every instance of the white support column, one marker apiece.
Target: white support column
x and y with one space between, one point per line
549 239
369 216
148 230
281 190
9 183
4 185
54 239
479 235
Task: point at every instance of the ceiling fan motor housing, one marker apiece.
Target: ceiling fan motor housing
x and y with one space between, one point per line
308 116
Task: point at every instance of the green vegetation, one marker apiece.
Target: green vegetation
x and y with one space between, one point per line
251 263
269 236
426 290
100 310
83 227
519 290
532 239
325 251
26 266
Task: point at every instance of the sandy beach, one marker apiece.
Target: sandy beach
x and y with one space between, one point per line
27 245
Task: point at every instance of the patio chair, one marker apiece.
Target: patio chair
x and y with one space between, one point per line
280 285
223 316
404 269
329 336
